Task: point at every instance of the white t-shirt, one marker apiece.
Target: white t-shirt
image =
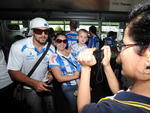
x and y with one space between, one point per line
23 55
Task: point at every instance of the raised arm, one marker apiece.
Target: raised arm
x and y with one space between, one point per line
86 59
110 75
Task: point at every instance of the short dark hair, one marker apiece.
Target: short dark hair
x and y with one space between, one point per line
92 29
74 24
111 33
58 34
139 25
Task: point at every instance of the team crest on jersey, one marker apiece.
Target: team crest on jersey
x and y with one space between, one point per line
53 58
30 56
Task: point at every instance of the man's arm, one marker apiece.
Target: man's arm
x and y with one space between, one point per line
112 80
84 95
110 75
36 84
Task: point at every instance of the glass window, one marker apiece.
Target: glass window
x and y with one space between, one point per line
111 26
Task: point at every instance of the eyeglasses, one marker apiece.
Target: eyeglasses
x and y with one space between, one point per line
60 41
121 47
40 31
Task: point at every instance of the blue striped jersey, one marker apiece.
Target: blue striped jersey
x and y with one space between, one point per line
93 42
66 67
76 48
71 37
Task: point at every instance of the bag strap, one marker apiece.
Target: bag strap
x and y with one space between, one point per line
69 62
38 62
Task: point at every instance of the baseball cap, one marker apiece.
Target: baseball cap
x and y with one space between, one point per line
37 22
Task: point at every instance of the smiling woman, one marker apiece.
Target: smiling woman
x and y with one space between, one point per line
66 69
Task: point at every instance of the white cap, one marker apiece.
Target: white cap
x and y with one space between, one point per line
37 22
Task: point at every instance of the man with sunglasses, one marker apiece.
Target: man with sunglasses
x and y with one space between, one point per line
22 57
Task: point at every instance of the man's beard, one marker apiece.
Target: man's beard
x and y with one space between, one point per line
41 43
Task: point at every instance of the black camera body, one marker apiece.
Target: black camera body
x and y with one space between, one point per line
99 54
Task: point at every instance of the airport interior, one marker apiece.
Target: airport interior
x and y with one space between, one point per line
105 15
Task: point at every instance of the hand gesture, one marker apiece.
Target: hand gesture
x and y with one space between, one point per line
86 57
107 55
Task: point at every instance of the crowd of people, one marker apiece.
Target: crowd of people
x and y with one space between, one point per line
68 60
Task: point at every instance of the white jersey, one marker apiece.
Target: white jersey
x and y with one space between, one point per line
23 55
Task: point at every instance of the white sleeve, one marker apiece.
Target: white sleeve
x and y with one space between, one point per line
15 59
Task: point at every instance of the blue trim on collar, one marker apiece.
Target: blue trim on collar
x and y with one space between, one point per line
40 52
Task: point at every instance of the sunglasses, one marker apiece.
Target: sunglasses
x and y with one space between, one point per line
60 41
40 31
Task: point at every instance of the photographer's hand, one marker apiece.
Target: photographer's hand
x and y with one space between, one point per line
86 57
107 56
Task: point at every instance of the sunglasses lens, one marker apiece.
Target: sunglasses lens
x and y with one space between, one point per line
46 32
40 31
65 41
37 31
59 41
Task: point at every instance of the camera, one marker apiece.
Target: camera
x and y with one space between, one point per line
99 54
49 87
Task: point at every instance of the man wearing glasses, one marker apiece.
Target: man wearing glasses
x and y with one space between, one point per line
22 57
134 58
